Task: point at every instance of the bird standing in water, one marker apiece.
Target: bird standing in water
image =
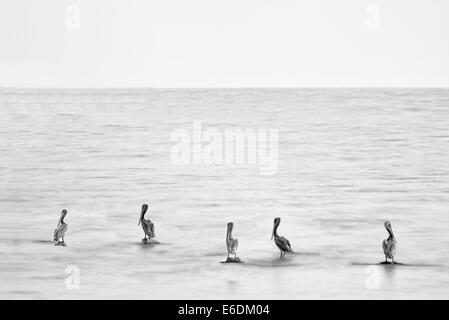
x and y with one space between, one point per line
231 243
389 245
282 243
147 225
61 229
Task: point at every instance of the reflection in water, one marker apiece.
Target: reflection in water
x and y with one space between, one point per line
388 272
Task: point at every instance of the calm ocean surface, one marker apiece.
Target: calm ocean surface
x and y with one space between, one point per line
348 160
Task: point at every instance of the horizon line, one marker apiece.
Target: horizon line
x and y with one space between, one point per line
221 87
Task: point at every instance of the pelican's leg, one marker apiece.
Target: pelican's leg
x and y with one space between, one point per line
281 254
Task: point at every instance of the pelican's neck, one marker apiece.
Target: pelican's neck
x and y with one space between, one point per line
142 215
275 230
390 232
229 233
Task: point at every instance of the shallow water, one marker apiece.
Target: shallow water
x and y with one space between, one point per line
348 160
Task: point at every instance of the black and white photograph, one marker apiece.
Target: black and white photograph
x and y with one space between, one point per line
224 150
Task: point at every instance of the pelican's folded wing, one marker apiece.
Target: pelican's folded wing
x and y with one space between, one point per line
385 247
392 248
60 231
152 234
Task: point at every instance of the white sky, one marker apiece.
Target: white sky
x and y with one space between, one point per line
211 43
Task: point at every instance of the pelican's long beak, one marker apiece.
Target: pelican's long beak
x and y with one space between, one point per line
63 214
275 224
390 229
141 217
142 213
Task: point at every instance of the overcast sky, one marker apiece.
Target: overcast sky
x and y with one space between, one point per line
211 43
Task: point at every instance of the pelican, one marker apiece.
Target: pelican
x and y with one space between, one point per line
231 243
61 229
389 245
147 225
282 243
